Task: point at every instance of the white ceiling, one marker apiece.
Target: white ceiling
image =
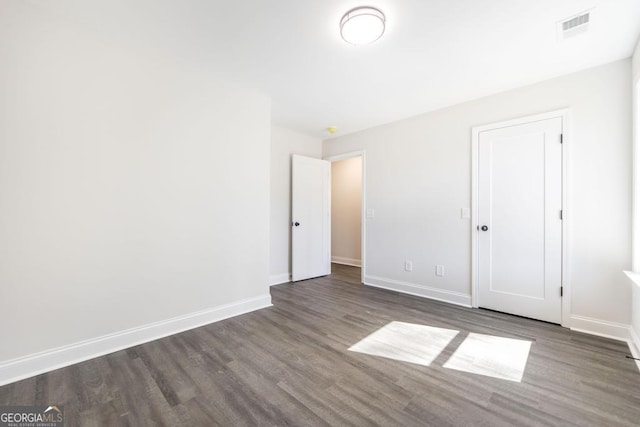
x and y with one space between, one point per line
434 53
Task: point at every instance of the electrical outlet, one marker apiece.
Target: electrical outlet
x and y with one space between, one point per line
408 266
440 270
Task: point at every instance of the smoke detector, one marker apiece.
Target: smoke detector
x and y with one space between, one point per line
574 25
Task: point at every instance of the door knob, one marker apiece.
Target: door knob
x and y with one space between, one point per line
296 223
484 228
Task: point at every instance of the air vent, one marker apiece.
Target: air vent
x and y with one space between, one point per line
574 25
575 22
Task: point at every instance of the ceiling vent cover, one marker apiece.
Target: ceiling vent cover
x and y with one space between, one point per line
574 25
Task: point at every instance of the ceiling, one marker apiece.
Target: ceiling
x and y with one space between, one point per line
434 53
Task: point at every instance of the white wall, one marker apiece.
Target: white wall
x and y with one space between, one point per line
284 143
635 309
346 211
131 191
636 62
419 176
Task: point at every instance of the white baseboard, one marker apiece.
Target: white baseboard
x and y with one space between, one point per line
276 279
346 261
634 345
635 341
451 297
28 366
603 328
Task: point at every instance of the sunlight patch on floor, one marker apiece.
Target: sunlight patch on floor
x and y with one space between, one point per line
496 357
406 342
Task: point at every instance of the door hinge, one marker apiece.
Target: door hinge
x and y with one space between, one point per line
561 138
561 212
561 291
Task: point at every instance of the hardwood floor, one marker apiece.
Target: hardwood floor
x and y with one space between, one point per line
290 365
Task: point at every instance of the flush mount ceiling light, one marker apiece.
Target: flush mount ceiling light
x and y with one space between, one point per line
362 25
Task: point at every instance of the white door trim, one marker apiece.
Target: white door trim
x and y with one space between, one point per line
363 221
564 114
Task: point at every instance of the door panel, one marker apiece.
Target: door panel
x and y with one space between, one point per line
519 201
310 210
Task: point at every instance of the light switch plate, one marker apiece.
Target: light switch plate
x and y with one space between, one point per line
371 213
465 213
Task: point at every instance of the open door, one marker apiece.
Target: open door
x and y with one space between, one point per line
310 217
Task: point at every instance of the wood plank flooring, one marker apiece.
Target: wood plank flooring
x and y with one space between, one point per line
290 365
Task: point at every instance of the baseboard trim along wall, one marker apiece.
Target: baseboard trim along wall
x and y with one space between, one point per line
603 328
28 366
276 279
635 339
634 345
635 342
617 331
346 261
456 298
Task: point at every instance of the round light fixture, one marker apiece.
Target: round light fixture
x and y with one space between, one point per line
362 25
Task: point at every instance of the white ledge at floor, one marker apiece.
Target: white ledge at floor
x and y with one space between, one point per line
634 277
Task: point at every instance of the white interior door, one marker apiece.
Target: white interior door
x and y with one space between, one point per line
311 218
519 219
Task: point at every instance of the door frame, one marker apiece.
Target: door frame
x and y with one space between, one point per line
565 115
363 219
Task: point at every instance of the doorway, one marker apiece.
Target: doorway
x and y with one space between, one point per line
519 216
347 210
